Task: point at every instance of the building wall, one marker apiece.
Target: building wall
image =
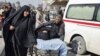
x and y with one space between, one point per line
48 3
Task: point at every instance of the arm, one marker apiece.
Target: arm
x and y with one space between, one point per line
37 18
61 30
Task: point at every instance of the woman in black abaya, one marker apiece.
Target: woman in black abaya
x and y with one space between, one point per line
23 26
7 35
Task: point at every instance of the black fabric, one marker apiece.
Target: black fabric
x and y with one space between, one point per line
23 34
24 31
60 13
47 18
7 35
10 12
43 35
51 27
19 50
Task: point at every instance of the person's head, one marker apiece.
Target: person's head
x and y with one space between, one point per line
39 8
58 19
26 12
9 5
5 7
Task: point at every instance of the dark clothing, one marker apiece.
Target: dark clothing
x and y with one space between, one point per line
6 25
7 34
47 18
54 30
22 51
10 13
19 50
23 34
60 13
61 30
43 35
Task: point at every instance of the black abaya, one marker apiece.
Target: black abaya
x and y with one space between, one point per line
21 40
24 32
7 34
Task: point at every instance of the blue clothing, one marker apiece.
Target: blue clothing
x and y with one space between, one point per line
53 44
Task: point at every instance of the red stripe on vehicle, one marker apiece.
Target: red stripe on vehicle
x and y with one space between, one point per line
83 23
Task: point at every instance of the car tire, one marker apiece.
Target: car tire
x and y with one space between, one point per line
78 45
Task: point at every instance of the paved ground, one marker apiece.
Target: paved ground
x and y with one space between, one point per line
1 45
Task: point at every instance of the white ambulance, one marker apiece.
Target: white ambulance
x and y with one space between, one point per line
82 25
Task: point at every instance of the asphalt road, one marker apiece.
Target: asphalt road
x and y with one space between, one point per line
1 45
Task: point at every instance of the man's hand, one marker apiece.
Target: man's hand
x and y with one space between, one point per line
12 27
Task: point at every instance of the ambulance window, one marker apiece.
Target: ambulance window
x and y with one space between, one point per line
84 12
98 15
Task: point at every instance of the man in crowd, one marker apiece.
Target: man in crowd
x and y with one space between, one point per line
58 25
48 36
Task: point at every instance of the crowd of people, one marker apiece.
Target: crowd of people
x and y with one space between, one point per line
24 28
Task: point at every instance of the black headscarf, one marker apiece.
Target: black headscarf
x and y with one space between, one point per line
10 12
24 28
